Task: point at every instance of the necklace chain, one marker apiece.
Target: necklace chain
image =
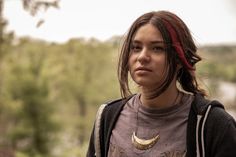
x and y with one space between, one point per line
144 144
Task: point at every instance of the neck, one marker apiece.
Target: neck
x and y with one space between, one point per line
169 97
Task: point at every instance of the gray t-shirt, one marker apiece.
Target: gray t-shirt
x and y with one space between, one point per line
170 124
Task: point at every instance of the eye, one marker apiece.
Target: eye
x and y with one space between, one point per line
158 49
136 48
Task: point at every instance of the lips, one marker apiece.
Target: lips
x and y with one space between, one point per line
144 69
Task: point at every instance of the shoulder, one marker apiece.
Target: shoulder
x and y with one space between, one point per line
220 119
113 104
114 107
116 103
111 114
220 132
220 114
200 104
221 126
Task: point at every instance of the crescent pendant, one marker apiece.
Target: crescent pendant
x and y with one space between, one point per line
143 144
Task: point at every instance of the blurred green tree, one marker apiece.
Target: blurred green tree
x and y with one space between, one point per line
29 107
6 39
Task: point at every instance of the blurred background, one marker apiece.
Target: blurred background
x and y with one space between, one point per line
58 64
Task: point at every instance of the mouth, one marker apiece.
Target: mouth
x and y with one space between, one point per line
144 69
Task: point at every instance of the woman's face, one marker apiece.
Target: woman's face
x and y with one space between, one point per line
147 61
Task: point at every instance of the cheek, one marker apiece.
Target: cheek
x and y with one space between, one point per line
131 66
162 64
131 62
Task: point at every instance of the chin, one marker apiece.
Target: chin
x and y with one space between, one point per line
146 84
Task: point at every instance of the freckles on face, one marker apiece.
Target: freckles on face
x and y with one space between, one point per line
147 59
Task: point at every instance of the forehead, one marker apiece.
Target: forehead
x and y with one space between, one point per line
148 33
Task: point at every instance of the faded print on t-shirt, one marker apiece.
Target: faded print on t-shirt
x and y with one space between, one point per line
176 153
115 151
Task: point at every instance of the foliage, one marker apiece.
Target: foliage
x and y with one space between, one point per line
47 83
218 62
33 6
28 102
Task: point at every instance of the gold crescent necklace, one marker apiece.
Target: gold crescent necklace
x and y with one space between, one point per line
144 144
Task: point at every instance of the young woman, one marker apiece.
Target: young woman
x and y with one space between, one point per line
170 116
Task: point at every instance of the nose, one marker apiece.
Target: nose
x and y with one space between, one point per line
144 56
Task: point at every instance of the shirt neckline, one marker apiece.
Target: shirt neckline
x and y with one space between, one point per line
148 111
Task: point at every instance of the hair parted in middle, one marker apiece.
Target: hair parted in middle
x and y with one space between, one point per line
179 47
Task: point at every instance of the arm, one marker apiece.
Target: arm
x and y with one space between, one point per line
221 134
91 148
227 145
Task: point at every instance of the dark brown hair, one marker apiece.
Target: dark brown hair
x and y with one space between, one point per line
168 24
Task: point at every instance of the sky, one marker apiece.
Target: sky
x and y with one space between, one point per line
210 21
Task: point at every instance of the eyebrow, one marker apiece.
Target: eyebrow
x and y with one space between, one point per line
152 42
157 42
